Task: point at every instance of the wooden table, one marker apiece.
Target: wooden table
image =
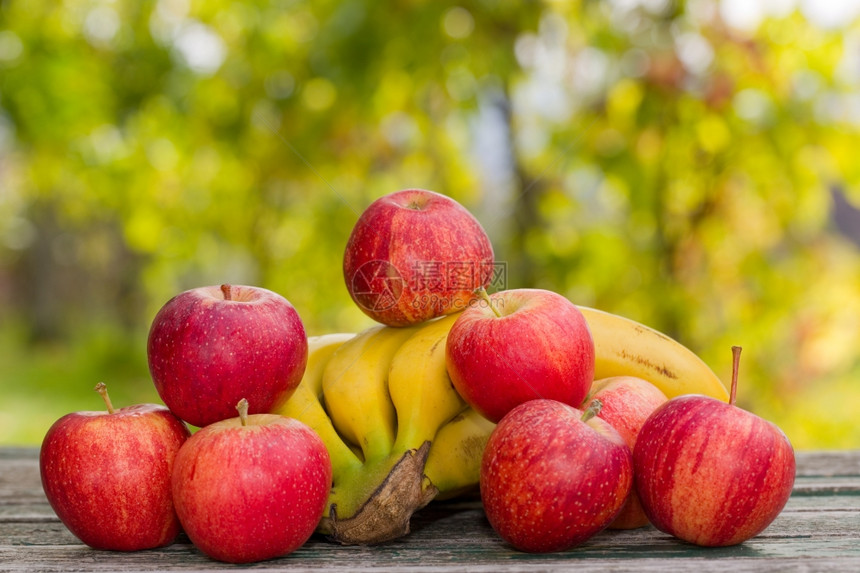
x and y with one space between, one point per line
819 530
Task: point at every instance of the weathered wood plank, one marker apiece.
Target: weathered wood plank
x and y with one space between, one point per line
36 510
833 463
819 530
19 479
64 561
450 534
19 476
825 555
825 516
835 485
18 453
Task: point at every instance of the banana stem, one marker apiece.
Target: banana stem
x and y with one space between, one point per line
378 506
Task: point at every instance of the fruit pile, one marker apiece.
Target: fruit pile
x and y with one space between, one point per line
566 419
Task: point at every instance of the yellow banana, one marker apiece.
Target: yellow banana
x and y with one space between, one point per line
623 347
422 393
375 504
352 482
355 389
305 405
454 462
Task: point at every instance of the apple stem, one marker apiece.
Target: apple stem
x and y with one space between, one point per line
101 388
592 410
226 289
482 293
736 363
242 406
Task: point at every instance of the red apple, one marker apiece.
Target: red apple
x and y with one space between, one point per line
711 473
627 403
553 476
414 255
520 345
251 488
107 474
211 346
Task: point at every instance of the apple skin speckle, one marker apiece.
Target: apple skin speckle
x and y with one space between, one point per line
711 473
206 353
107 476
414 255
550 481
254 492
540 347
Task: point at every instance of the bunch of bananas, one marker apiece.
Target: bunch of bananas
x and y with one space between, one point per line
398 433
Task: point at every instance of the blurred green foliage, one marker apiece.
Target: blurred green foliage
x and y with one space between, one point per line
642 157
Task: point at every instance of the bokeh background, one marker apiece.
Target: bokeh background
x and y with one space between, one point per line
690 164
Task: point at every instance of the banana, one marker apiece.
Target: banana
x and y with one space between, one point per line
355 389
624 347
305 405
423 395
377 504
454 462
